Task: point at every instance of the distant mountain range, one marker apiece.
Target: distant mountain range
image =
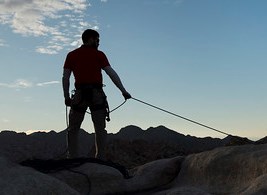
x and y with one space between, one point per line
131 145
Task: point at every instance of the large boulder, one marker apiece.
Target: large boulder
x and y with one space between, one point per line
101 179
15 179
226 170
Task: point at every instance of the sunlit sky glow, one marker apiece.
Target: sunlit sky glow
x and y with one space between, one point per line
202 59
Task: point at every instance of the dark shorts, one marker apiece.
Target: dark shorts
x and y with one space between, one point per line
91 97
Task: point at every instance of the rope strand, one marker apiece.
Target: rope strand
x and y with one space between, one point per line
181 117
113 108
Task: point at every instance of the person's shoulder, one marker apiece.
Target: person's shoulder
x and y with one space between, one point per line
100 51
74 51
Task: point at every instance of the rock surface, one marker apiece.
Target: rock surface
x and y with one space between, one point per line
156 168
99 179
15 179
225 170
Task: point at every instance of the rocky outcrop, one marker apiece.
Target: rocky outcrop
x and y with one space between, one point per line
157 166
15 179
226 170
98 179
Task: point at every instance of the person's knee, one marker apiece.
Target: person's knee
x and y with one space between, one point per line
73 131
99 117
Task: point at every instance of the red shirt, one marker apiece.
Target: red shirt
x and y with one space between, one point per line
86 64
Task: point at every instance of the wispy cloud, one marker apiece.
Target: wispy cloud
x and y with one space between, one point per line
18 84
47 83
58 22
5 120
50 49
164 2
3 43
23 84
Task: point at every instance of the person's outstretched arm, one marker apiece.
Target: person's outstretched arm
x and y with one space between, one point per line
117 81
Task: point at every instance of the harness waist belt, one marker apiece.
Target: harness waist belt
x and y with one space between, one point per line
88 86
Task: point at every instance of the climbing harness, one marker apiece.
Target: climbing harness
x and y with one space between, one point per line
85 92
109 111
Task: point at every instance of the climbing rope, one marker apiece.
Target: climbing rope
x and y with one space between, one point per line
163 110
67 117
67 120
166 111
117 106
113 108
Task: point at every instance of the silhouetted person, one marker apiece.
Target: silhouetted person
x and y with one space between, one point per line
86 64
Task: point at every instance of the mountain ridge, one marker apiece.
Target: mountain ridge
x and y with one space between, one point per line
131 146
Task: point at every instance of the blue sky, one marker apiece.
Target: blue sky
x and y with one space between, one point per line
202 59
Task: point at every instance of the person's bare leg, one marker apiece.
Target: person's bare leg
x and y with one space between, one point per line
98 118
75 121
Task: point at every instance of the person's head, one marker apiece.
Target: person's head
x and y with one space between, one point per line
90 37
